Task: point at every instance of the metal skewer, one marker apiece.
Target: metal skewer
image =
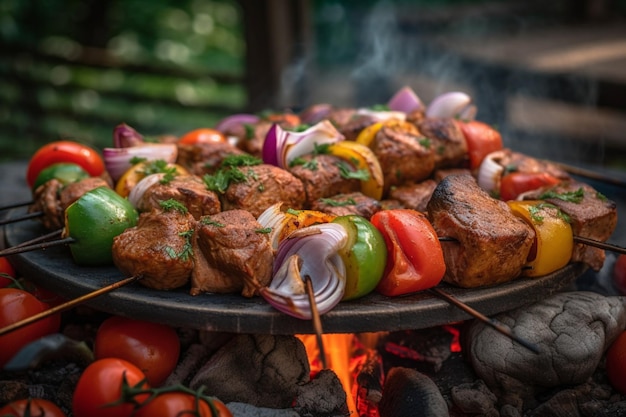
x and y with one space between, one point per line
590 174
67 305
21 217
317 322
22 247
15 205
495 324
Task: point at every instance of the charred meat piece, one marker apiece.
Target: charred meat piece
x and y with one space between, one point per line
52 198
492 244
189 190
351 128
237 254
414 196
205 158
405 155
159 248
255 188
447 140
344 204
440 174
591 215
322 177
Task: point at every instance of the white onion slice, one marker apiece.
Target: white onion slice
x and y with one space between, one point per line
490 172
118 160
455 104
312 252
136 194
274 218
382 115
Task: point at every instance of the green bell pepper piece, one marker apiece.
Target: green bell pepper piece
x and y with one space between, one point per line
64 172
93 221
365 256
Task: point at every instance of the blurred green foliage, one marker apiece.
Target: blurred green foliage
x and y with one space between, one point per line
76 68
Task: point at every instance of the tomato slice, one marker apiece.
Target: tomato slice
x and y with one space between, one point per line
202 135
414 256
64 151
481 139
516 183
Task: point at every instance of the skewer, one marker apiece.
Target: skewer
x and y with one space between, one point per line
495 324
21 217
22 247
16 205
590 174
67 305
42 238
317 323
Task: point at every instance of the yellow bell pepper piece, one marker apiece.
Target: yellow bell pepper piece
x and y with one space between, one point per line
363 157
136 173
366 136
554 239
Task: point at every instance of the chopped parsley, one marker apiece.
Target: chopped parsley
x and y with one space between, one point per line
570 196
601 196
311 164
536 209
264 230
220 181
300 128
335 203
320 149
293 212
346 172
380 107
249 131
159 166
210 222
172 204
424 141
187 250
240 160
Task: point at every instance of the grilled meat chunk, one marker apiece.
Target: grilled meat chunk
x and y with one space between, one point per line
322 177
52 198
260 187
519 162
344 204
414 196
447 140
352 127
205 158
405 155
493 244
159 247
591 215
237 255
189 190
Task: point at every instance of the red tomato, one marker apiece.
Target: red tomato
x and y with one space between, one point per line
31 407
100 385
152 347
64 151
50 298
202 135
414 255
619 274
481 140
6 268
516 183
16 305
180 404
616 363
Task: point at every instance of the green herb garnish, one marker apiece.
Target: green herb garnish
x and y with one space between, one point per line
335 203
346 172
570 196
210 222
264 230
172 204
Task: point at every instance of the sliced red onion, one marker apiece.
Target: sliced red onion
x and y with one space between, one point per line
382 115
231 122
118 160
125 136
315 113
283 146
136 194
490 172
455 104
405 100
308 252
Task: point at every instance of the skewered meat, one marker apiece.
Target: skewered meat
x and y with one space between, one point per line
344 204
264 185
52 198
322 177
250 138
189 190
159 247
493 244
404 154
591 215
447 140
237 254
516 161
205 158
414 196
351 128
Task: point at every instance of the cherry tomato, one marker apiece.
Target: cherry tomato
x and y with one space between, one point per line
100 385
179 404
516 183
202 135
50 298
481 139
16 305
414 256
152 347
6 271
616 363
64 151
31 407
619 274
